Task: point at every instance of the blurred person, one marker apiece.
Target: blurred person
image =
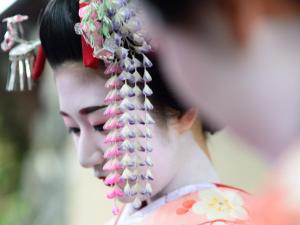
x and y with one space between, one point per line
238 61
278 202
184 189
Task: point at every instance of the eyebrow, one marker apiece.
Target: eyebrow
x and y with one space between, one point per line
86 110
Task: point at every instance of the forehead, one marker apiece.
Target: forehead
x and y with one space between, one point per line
79 87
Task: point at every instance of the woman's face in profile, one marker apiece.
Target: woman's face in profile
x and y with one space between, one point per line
81 94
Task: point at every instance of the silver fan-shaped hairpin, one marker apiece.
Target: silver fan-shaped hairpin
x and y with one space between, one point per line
21 56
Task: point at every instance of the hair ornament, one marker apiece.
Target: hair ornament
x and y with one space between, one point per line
114 32
137 77
25 64
147 105
112 124
137 203
112 165
127 105
148 161
113 82
147 91
112 96
149 175
149 148
126 173
138 162
127 118
137 188
115 193
149 119
127 162
126 91
147 77
116 210
127 132
113 110
124 75
128 146
112 179
113 137
127 189
113 68
148 190
113 152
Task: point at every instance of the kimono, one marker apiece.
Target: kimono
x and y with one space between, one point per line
202 204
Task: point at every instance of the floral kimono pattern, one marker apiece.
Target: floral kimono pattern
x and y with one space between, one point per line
219 205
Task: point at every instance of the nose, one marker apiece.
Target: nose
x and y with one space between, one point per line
88 150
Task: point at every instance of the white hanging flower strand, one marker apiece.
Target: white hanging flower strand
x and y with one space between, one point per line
113 30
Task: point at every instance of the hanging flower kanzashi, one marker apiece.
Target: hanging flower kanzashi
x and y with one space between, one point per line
113 30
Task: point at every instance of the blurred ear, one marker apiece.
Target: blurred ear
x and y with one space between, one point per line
242 16
186 121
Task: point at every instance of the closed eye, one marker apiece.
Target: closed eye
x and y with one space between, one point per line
99 127
74 130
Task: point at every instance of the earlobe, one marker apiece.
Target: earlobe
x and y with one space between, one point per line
186 121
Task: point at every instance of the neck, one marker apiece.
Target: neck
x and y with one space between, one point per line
194 165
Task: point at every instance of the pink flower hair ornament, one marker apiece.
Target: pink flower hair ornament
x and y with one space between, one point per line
114 33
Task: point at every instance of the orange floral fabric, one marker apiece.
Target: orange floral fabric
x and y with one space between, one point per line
220 205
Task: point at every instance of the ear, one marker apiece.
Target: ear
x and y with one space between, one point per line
186 121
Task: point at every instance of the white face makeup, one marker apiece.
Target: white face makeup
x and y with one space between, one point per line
81 95
82 114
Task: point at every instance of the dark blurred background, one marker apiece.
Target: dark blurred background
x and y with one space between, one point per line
21 140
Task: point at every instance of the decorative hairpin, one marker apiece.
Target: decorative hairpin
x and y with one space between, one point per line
113 31
25 66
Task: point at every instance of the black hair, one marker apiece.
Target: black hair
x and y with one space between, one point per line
59 41
61 44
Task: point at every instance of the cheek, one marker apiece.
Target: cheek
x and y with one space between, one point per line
75 139
90 139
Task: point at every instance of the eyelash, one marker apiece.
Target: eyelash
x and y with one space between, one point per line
99 127
76 131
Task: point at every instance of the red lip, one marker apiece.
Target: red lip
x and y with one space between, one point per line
102 178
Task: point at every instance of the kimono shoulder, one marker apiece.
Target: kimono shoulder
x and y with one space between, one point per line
219 205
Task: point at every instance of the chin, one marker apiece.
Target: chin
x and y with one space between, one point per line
126 199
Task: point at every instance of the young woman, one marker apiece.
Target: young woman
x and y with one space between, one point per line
184 189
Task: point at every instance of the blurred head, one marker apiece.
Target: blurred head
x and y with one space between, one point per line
238 61
81 94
